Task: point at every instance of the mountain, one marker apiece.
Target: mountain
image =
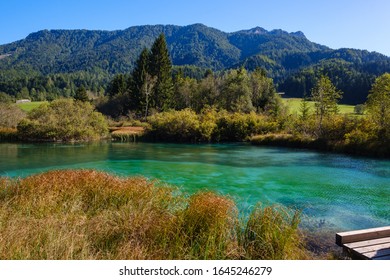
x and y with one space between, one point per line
289 58
53 51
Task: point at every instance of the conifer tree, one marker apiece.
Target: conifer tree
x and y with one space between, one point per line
140 76
81 94
161 68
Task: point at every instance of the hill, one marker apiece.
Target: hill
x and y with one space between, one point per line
57 61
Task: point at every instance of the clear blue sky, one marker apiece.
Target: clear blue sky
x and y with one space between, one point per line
362 24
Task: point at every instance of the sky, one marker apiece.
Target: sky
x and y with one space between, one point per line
360 24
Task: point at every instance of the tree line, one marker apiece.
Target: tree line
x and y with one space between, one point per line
153 86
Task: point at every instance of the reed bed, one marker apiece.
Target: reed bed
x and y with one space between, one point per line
86 214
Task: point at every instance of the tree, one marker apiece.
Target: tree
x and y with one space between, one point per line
378 104
141 81
161 67
117 85
263 90
81 94
326 96
185 90
236 91
304 109
207 93
146 90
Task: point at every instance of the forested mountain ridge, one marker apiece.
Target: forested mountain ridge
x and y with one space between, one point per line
52 51
92 57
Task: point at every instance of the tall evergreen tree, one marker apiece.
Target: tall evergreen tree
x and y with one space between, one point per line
161 68
140 76
117 85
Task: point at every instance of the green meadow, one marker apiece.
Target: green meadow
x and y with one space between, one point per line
294 105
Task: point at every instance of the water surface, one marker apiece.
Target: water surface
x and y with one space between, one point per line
335 191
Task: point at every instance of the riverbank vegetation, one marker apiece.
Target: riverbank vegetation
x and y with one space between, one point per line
88 214
63 120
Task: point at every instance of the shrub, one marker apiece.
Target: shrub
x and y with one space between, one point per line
239 127
10 115
336 126
178 126
210 125
359 109
63 120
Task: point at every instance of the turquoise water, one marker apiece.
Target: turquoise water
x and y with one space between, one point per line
334 191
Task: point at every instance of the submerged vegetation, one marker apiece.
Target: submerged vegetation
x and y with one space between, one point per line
87 214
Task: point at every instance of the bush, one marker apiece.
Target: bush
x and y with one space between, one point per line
63 120
210 125
335 127
10 115
177 126
239 127
359 109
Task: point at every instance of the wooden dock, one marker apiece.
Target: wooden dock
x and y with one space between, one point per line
368 244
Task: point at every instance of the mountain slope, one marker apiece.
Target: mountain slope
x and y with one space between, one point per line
103 53
50 51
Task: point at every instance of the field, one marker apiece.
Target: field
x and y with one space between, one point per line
295 103
27 107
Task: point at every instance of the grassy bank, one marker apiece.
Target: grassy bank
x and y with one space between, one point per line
93 215
8 134
369 148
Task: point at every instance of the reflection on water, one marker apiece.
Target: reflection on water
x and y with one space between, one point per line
335 191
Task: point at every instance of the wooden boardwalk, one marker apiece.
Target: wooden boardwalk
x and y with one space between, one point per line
369 244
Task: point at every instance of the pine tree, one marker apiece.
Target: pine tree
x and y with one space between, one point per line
117 85
81 94
161 68
140 76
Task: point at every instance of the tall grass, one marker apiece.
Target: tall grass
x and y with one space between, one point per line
87 214
8 134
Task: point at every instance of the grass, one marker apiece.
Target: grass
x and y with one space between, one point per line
86 214
294 105
29 106
8 134
126 133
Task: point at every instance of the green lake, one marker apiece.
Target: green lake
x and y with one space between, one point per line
333 191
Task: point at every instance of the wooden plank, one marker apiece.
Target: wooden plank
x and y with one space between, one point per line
353 254
376 254
373 248
361 235
368 242
382 258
